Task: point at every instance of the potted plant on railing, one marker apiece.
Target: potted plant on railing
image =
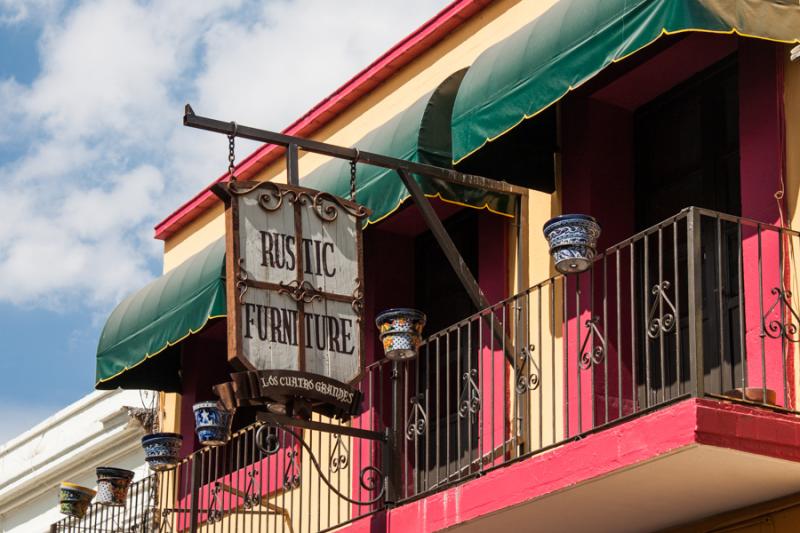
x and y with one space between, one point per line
573 241
74 499
112 485
401 332
212 423
161 450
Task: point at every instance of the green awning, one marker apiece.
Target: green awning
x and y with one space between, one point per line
163 313
420 133
574 40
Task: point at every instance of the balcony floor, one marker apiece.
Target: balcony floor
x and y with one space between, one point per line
682 462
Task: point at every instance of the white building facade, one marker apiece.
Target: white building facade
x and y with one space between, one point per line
102 429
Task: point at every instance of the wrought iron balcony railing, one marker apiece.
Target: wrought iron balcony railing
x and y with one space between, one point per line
698 305
139 515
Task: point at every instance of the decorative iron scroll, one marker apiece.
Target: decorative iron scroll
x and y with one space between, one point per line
595 356
340 454
358 298
251 496
325 204
241 280
470 396
291 474
526 382
664 322
214 512
370 478
775 329
301 291
418 420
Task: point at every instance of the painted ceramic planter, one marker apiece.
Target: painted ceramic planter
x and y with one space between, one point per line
74 500
112 485
162 450
212 423
573 242
401 332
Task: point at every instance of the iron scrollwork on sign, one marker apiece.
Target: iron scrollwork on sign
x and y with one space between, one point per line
325 205
526 382
300 291
665 322
594 356
470 395
241 280
775 329
418 420
370 477
358 299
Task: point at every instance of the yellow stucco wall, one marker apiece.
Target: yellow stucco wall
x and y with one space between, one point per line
791 92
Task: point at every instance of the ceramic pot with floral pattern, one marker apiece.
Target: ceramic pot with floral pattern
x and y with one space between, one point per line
573 242
112 485
212 423
74 499
401 332
162 450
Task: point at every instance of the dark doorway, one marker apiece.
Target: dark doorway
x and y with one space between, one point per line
687 154
452 439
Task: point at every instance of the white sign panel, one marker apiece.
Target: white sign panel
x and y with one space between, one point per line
295 280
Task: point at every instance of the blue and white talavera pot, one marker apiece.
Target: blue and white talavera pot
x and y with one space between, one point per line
212 423
573 242
162 450
401 332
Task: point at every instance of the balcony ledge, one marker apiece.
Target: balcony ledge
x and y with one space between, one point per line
685 461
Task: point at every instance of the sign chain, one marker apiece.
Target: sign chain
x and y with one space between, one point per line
232 152
353 176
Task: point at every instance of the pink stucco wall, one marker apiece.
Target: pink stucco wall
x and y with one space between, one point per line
597 179
761 167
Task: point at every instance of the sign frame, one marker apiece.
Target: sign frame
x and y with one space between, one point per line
327 208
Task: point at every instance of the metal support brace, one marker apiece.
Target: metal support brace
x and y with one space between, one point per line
192 120
292 165
454 258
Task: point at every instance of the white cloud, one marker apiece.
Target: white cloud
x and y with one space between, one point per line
13 12
101 153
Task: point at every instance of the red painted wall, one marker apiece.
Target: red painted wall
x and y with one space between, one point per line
597 179
761 166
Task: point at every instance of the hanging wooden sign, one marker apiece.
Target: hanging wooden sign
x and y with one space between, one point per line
295 281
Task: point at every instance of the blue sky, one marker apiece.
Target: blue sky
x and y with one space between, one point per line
93 154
